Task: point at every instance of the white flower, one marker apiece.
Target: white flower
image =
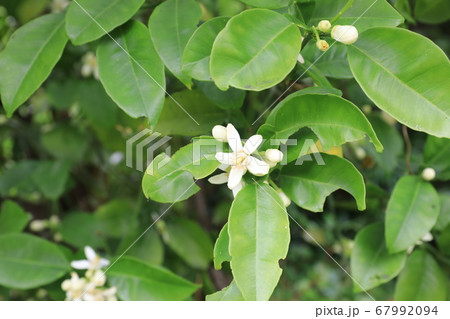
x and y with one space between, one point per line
74 287
274 155
219 132
89 66
222 178
346 34
324 26
240 159
93 261
38 225
428 174
300 59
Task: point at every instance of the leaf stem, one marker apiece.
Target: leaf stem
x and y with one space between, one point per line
272 183
345 8
316 33
408 148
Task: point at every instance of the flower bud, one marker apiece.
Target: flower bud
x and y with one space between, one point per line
300 59
427 237
324 26
346 34
54 221
360 153
322 45
219 132
273 155
284 198
428 174
38 225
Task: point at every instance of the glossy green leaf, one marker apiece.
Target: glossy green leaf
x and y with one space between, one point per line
192 114
82 229
421 280
196 55
432 11
169 180
136 280
132 72
332 63
149 248
116 217
29 57
190 242
444 216
371 264
88 20
412 84
363 14
221 250
309 182
258 228
18 178
229 293
179 19
27 261
333 119
227 100
269 4
443 241
255 51
411 212
436 155
12 218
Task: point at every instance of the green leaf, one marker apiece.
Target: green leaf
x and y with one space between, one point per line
192 114
65 142
269 4
258 228
12 218
309 69
148 249
371 264
421 280
17 178
436 155
230 293
444 216
255 51
332 63
363 14
221 251
132 72
170 180
29 57
116 218
309 183
190 242
88 20
28 262
412 84
82 229
443 241
228 100
432 11
411 212
333 119
196 55
136 280
51 177
179 19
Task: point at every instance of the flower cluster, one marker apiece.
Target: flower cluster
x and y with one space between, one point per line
238 162
89 65
91 287
346 34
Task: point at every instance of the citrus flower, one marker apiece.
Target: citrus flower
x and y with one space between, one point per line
322 45
346 34
74 287
324 26
222 178
240 159
93 260
428 174
89 66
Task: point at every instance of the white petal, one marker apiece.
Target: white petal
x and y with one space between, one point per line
238 188
218 179
234 139
80 264
223 167
90 253
257 167
104 262
224 158
252 144
235 177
